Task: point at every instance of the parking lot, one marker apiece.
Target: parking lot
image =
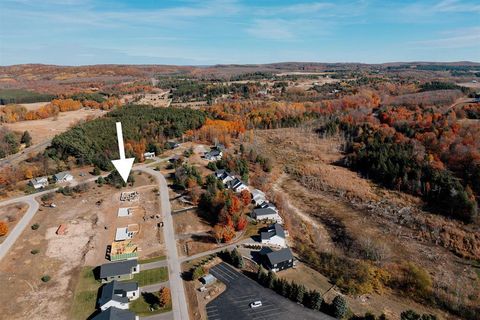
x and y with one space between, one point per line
234 303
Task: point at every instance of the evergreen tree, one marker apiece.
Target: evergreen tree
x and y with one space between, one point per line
26 138
339 307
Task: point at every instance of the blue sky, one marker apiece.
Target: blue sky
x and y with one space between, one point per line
191 32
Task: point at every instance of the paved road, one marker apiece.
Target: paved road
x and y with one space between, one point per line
154 265
154 287
179 301
21 225
234 302
24 154
161 316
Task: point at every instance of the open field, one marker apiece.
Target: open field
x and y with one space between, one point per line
45 129
91 220
340 212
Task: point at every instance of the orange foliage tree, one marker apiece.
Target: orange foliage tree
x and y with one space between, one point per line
165 296
3 228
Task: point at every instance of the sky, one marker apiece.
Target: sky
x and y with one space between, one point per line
196 32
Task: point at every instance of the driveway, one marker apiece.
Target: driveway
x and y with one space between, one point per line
154 287
234 302
161 316
153 265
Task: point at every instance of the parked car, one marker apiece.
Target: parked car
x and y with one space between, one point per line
256 304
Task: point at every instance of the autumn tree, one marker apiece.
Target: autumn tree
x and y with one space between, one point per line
246 197
165 296
3 228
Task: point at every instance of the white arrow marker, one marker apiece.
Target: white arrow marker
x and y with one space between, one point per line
122 165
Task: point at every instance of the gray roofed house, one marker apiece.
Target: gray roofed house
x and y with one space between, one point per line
236 185
266 214
122 270
279 260
39 182
223 175
118 294
63 176
274 236
213 155
113 313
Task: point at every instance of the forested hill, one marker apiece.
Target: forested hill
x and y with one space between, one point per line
144 128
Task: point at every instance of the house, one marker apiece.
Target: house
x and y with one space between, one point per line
236 185
62 177
118 294
275 235
122 270
260 214
214 155
269 205
125 212
149 155
125 233
208 279
279 260
258 197
224 176
113 313
39 183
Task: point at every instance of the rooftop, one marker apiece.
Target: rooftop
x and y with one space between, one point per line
116 291
264 212
279 256
113 313
117 268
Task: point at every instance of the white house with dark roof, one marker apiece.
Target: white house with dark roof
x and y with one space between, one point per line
149 155
236 185
214 155
62 177
224 176
118 295
275 235
113 313
122 270
39 182
262 214
258 197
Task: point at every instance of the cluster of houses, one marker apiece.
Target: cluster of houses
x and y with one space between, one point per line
42 182
264 210
116 293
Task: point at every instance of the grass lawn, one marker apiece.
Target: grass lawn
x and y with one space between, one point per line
147 277
85 297
142 308
155 259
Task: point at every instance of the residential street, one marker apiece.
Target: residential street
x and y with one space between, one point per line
179 300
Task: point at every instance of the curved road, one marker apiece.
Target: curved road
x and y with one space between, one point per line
179 301
21 225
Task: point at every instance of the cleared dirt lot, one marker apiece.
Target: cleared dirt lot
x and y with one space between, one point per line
62 257
44 129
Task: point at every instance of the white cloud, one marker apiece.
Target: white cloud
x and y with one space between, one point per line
460 38
272 29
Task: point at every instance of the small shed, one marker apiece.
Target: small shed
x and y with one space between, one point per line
125 212
208 279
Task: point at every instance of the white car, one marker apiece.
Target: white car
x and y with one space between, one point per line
256 304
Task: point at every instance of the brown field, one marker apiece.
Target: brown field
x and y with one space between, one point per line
45 129
11 214
34 105
91 218
341 212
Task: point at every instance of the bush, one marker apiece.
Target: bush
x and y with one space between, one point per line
34 251
339 307
47 197
35 226
46 278
3 228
